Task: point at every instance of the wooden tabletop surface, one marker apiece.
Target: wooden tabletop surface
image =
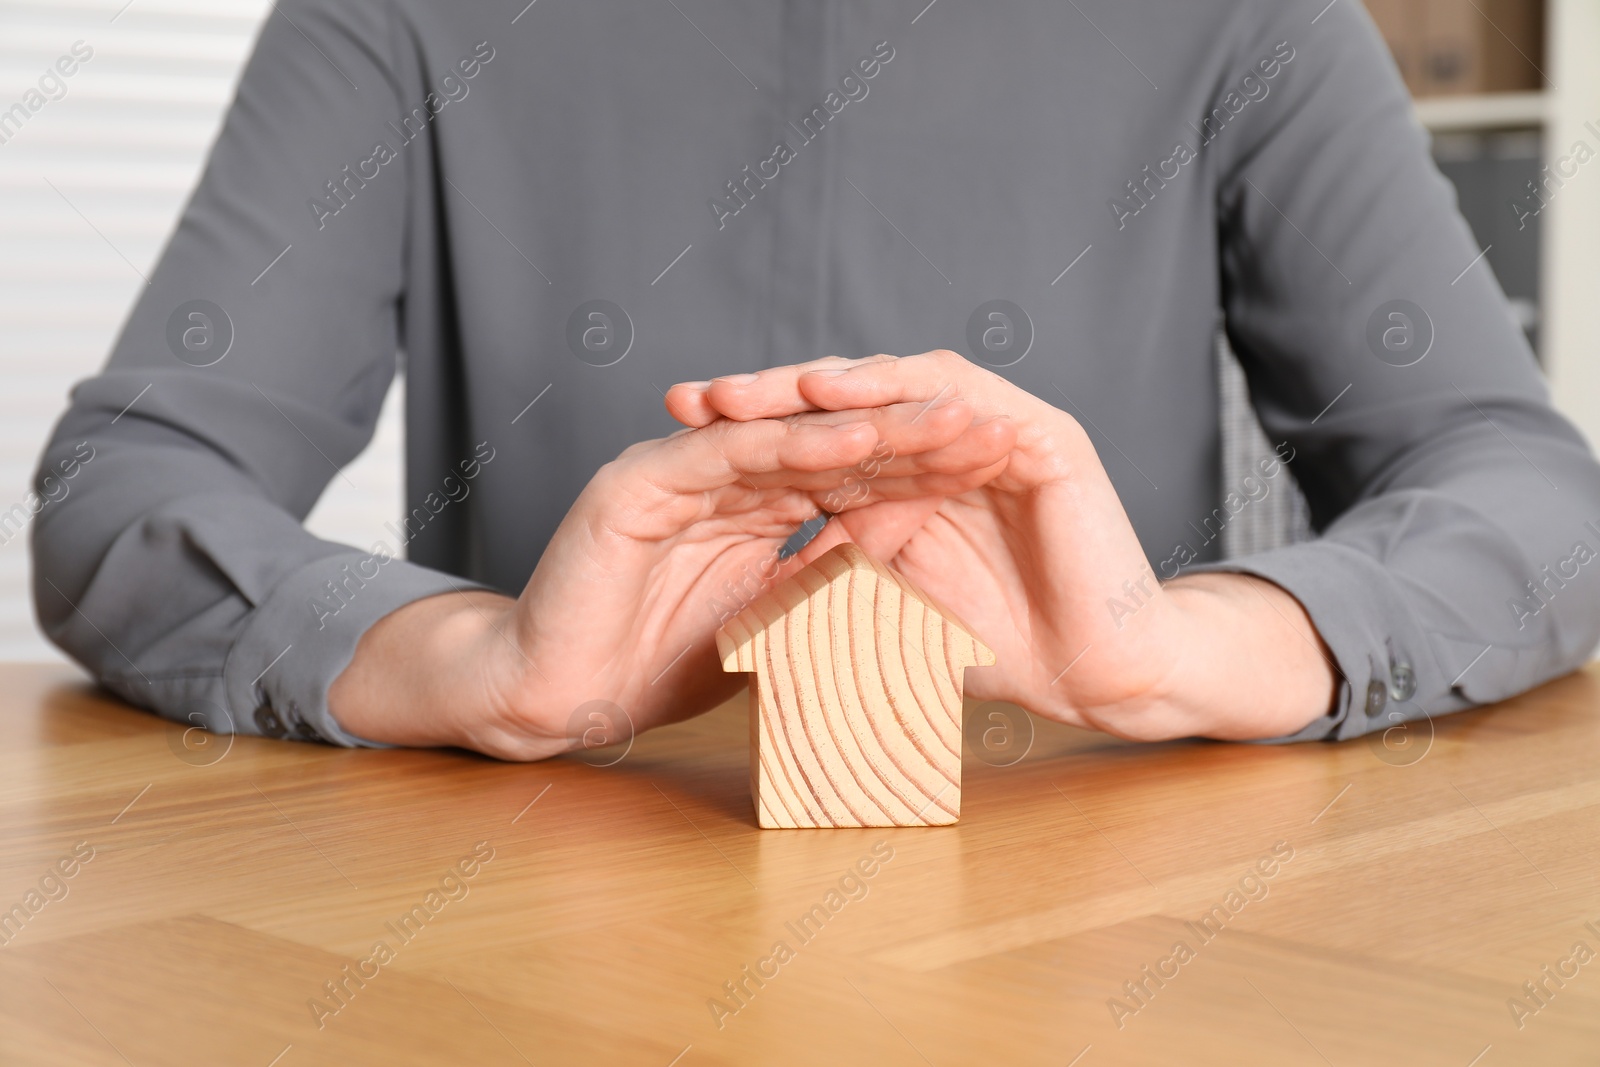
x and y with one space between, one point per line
1098 903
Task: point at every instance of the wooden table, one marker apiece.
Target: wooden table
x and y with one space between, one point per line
1413 891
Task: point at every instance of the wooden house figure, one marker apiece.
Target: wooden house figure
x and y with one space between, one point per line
856 697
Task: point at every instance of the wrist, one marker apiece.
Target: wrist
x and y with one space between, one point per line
1252 664
427 673
1225 656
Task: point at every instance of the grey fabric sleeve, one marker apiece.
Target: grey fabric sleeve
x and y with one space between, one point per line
177 569
1453 503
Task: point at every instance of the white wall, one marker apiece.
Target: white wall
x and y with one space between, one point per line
1571 234
124 147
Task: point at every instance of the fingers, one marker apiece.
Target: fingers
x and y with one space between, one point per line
856 493
929 378
982 442
969 460
903 429
761 395
913 439
842 460
899 449
763 452
687 403
838 385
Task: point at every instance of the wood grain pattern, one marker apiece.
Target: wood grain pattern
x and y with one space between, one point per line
1424 888
855 697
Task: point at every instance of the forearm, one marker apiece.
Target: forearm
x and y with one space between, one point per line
426 674
1245 663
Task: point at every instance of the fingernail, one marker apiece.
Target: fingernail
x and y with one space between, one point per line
739 379
699 387
828 373
851 427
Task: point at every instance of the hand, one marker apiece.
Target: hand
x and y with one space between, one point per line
623 607
1042 563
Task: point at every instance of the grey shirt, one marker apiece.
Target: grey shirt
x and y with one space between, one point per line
746 183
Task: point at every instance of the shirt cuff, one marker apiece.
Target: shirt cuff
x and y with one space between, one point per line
304 633
1384 658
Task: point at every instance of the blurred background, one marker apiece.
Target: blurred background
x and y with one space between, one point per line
93 176
92 184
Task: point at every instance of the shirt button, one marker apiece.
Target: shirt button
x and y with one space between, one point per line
297 723
1402 682
268 723
1377 697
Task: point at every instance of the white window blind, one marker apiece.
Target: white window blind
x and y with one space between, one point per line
94 169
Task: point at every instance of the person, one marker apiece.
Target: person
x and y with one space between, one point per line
566 215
